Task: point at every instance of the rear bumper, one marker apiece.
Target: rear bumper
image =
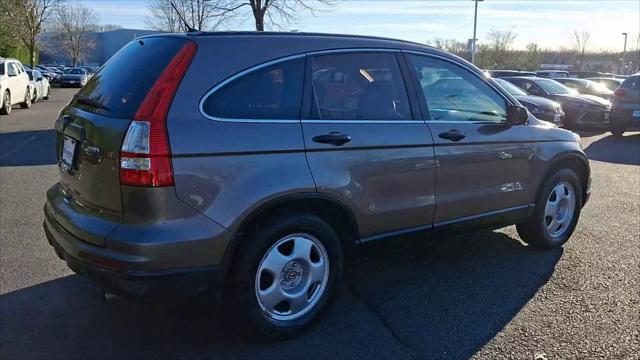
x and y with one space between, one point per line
625 113
163 248
102 267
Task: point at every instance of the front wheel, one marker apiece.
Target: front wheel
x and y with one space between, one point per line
556 212
287 271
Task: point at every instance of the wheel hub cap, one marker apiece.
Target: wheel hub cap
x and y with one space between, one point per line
559 209
292 277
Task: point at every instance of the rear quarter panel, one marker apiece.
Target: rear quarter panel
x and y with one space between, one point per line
227 169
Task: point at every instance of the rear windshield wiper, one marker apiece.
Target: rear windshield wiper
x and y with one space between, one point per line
90 101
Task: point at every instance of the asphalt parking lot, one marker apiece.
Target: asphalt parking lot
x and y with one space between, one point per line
482 295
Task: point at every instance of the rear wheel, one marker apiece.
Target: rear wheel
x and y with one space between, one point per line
5 108
618 128
556 212
287 271
27 100
34 97
47 95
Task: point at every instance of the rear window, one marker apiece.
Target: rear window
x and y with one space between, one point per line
123 82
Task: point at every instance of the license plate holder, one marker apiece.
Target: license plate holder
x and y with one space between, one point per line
606 115
68 153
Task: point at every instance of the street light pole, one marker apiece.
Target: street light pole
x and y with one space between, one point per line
624 51
473 40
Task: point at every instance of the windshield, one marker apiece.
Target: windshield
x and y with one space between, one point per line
511 89
75 71
553 87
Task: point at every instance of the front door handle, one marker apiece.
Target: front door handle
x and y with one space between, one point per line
333 138
453 135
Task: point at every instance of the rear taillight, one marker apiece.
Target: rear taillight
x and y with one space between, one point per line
145 156
619 92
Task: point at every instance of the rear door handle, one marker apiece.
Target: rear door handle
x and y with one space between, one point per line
333 138
453 135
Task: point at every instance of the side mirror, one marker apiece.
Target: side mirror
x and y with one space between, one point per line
517 115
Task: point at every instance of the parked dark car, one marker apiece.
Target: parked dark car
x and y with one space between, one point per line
588 87
505 73
543 109
74 77
626 105
257 168
588 74
579 109
610 83
552 74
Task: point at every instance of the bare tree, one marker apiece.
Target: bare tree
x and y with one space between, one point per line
29 17
451 45
73 24
209 14
581 40
499 43
200 14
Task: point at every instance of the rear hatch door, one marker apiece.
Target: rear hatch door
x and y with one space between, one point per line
91 128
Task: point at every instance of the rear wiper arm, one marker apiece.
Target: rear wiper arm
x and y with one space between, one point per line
90 101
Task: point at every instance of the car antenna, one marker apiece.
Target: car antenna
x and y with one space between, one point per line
186 24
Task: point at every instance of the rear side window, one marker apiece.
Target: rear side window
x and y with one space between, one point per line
359 86
123 82
631 83
2 69
272 92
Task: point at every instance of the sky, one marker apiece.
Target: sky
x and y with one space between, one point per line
549 23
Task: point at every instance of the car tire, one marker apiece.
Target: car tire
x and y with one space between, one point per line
556 212
5 108
34 97
291 261
47 95
617 128
27 100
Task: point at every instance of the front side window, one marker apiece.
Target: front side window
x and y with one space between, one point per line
272 92
455 94
358 86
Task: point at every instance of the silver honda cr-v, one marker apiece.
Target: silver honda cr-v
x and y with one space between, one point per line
254 161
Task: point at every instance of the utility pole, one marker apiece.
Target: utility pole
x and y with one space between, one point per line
473 39
624 52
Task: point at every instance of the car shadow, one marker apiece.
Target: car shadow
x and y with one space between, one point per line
448 298
26 148
616 149
427 299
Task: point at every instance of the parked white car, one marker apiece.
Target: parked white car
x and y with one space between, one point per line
40 87
14 86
